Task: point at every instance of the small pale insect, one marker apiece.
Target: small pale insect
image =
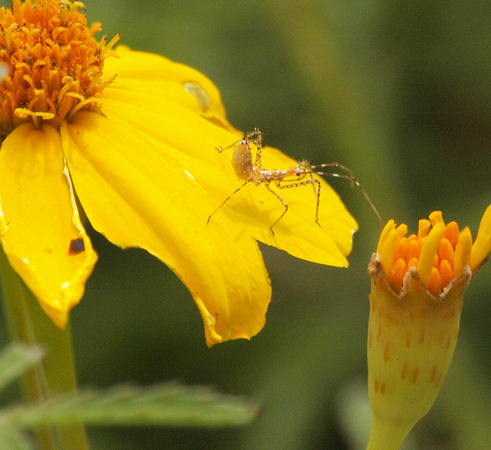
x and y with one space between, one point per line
251 171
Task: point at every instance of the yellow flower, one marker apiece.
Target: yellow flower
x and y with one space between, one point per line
131 140
416 299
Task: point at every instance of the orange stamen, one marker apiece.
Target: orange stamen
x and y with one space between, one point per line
452 233
402 250
435 283
414 247
439 252
54 63
436 261
446 272
446 251
396 275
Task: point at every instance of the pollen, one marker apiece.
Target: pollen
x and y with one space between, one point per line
53 62
438 252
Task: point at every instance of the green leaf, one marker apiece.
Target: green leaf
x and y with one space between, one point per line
167 404
15 359
13 440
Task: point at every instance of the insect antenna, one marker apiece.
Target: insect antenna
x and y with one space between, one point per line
350 177
258 140
221 149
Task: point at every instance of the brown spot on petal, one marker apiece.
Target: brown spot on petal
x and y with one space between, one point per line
76 246
415 375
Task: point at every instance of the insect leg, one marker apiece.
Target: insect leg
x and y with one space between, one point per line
226 200
257 133
353 181
339 166
285 205
258 142
317 189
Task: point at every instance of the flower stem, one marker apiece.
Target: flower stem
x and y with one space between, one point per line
387 435
55 375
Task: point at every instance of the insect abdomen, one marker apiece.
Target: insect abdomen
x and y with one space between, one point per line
242 163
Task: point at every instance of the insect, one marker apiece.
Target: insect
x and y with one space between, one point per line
251 171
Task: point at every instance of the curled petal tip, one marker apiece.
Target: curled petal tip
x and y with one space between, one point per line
428 251
482 245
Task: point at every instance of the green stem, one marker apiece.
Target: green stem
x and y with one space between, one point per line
56 374
387 435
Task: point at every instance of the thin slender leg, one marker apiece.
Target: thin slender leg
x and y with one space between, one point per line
226 200
317 191
353 181
339 166
285 205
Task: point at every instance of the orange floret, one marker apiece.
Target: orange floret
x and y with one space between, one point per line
452 233
435 283
439 252
446 272
446 251
396 275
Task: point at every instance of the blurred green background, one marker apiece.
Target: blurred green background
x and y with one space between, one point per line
400 92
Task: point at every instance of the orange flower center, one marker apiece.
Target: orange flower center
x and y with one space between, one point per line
439 252
53 62
408 253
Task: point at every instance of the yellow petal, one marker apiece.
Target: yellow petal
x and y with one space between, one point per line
383 236
463 251
436 217
160 106
390 246
137 194
43 237
151 73
482 244
423 228
428 251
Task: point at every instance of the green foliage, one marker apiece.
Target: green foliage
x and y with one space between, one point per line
165 405
15 360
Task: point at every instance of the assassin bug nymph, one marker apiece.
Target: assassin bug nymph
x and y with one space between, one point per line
300 175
